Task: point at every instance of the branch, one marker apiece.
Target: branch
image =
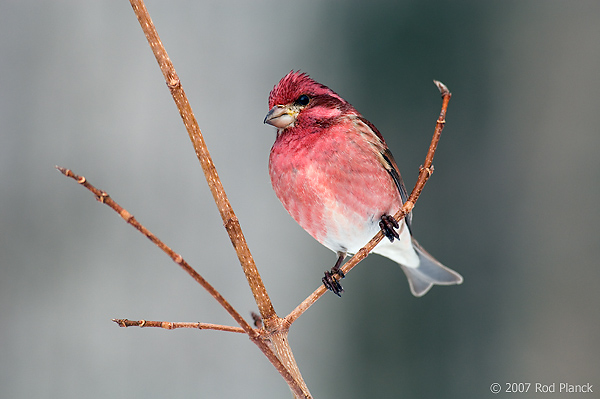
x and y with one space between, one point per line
425 172
274 334
282 359
230 221
170 325
253 334
104 198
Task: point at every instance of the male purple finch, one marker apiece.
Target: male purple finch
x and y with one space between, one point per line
334 174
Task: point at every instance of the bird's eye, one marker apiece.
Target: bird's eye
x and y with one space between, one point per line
303 100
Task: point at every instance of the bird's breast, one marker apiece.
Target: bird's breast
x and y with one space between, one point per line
333 185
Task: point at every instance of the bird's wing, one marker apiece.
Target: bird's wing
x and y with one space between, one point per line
387 160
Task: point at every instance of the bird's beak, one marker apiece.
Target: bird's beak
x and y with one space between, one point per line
281 116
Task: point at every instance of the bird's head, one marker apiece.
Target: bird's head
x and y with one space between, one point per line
298 100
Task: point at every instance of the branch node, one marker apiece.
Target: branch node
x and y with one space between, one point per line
232 221
258 323
101 197
120 322
173 81
442 88
429 170
125 215
64 171
363 252
142 323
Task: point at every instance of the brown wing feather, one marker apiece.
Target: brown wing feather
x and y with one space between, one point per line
387 160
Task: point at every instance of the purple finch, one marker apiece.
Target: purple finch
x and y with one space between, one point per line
335 175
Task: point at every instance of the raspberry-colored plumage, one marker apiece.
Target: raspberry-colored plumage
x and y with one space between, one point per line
334 174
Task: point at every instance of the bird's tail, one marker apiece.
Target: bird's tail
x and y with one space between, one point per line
428 273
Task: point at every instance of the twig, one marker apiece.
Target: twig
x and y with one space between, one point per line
104 198
254 335
425 172
171 325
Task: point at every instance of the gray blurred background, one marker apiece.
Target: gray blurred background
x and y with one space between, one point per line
512 204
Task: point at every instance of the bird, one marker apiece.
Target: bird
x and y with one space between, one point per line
335 175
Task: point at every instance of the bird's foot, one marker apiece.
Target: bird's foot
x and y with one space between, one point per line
388 225
330 281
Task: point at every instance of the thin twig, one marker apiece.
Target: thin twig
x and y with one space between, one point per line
253 334
425 172
106 199
172 325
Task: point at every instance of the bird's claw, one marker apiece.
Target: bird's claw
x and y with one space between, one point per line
332 283
388 227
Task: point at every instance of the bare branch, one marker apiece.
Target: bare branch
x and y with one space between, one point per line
272 323
171 325
272 338
425 172
230 221
104 198
252 333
